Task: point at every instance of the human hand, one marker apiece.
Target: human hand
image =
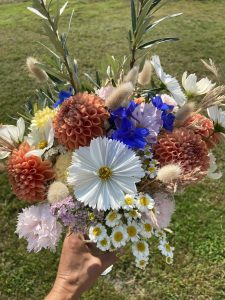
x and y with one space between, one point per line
78 269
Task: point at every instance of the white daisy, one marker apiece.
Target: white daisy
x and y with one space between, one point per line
165 248
218 116
129 202
104 243
119 236
113 218
140 249
103 172
146 229
97 232
171 83
132 231
144 202
194 87
11 135
141 263
41 138
212 174
133 214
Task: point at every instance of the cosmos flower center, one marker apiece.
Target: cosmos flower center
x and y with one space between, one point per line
118 236
105 173
42 144
141 247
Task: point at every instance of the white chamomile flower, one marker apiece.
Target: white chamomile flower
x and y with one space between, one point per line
140 249
113 218
212 174
104 243
129 202
103 172
151 171
119 236
144 202
160 234
133 214
171 83
141 263
218 116
146 229
132 231
165 248
194 87
97 232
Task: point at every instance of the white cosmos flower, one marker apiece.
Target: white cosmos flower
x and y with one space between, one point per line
97 232
104 243
212 174
119 236
41 138
113 218
194 87
170 82
141 263
140 249
9 135
144 202
103 172
165 248
218 116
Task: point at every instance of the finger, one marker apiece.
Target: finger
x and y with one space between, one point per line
108 259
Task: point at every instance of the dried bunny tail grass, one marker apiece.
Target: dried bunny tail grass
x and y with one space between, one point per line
185 112
213 97
132 75
57 192
35 70
169 173
145 75
120 95
211 67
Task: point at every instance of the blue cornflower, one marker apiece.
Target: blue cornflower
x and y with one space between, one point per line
124 112
63 95
130 135
167 117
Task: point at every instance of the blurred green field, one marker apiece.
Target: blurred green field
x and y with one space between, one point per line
99 28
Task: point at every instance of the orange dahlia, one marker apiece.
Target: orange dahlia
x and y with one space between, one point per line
29 176
80 119
203 126
185 148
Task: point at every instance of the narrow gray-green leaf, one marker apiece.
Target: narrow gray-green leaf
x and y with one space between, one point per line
156 42
63 8
162 19
36 12
92 80
133 15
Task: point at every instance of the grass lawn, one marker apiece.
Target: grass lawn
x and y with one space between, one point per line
99 28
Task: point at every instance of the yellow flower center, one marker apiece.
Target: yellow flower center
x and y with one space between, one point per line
151 169
129 200
91 216
133 213
141 247
144 201
132 231
112 216
118 236
96 231
42 144
103 242
148 227
104 173
142 262
167 247
41 117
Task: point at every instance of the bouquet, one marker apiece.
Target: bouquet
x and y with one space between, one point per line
104 155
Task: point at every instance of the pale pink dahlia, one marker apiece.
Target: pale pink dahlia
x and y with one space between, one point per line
39 227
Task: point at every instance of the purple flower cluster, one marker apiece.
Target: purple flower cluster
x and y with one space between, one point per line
71 213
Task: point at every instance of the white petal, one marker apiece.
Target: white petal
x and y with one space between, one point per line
21 128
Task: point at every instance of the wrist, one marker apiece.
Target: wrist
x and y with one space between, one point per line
64 289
